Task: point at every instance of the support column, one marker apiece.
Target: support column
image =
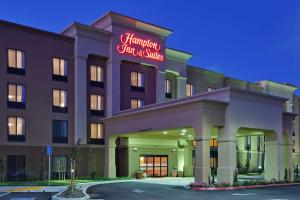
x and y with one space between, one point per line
227 145
188 168
113 94
181 87
202 161
160 86
110 158
80 103
274 169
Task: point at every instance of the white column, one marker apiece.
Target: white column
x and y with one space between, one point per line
80 100
202 161
110 158
160 86
226 155
181 87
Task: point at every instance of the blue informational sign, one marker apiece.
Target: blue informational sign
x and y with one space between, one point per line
49 150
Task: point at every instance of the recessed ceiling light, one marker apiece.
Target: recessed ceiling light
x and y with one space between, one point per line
184 130
165 132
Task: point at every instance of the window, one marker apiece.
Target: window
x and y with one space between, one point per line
97 131
59 131
213 142
16 167
16 128
59 165
96 102
190 89
136 103
59 101
16 96
168 88
137 80
60 69
248 143
97 75
16 59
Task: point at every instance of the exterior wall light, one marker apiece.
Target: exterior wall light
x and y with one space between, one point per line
184 130
173 150
182 133
165 132
135 149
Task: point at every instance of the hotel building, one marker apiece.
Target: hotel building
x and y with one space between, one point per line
114 92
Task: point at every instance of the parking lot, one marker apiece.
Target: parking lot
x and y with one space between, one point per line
26 196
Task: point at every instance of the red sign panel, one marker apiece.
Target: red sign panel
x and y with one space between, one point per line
139 47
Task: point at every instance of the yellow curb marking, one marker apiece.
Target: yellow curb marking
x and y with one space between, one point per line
24 189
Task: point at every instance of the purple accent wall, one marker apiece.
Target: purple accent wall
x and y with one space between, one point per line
149 95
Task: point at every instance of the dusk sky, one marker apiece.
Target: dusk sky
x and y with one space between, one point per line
250 40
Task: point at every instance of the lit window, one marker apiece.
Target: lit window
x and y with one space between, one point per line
137 79
213 142
136 103
96 73
16 59
96 102
59 67
16 126
190 89
16 93
168 88
59 98
97 131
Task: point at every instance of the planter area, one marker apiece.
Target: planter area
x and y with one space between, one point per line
239 186
76 195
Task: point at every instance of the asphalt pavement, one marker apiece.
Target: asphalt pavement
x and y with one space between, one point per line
146 191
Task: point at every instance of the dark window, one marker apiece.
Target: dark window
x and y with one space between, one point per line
59 131
15 167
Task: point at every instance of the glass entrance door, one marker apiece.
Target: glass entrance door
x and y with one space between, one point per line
154 165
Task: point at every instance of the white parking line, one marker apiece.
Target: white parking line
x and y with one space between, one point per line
23 199
243 194
1 195
138 191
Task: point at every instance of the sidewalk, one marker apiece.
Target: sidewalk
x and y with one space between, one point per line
162 181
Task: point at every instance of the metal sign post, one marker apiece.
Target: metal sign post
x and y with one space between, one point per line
49 153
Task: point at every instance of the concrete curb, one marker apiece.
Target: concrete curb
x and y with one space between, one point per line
241 187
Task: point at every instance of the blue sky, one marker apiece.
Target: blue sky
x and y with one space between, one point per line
251 40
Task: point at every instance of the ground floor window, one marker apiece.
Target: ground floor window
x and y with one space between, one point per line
154 165
60 166
15 167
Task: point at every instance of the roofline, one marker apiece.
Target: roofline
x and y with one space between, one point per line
33 29
276 82
203 69
135 19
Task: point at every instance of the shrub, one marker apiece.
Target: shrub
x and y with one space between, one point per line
222 185
198 184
